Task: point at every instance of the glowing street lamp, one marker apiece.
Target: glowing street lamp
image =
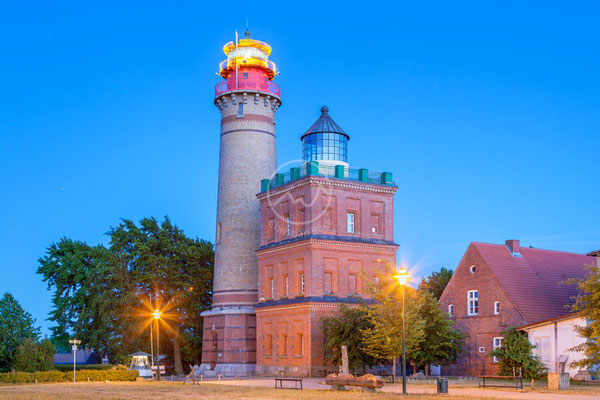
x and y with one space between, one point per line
157 315
403 277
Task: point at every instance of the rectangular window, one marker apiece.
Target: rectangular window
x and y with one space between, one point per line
299 344
287 225
240 113
542 348
473 302
496 307
327 283
450 309
271 288
496 345
286 280
350 222
245 76
302 283
351 284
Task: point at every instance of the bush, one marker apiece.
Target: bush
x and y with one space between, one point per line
60 376
69 367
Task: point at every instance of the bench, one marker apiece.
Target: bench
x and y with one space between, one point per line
518 380
295 380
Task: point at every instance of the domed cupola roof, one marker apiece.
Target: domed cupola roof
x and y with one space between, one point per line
325 125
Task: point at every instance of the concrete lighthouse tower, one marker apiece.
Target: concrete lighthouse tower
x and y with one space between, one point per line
247 99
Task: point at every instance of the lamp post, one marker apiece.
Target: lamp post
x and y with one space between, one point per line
403 278
157 315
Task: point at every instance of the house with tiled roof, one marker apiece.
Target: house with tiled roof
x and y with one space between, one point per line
496 286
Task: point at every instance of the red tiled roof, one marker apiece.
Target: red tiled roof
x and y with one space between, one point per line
536 281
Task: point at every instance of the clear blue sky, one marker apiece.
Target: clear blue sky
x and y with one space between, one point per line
487 114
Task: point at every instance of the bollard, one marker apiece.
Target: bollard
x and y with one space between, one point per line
201 378
219 376
171 378
36 381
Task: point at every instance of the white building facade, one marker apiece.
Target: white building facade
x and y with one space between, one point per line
554 340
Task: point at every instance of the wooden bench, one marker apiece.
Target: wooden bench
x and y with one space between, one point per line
295 380
518 380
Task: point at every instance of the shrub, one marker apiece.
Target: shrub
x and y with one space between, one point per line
61 376
69 367
32 356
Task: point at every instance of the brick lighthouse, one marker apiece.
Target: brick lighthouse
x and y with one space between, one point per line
247 99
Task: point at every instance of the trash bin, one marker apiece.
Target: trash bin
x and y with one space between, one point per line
442 385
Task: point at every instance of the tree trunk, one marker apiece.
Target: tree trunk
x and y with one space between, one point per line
177 351
427 370
414 367
394 370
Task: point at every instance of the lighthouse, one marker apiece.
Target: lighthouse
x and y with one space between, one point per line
247 99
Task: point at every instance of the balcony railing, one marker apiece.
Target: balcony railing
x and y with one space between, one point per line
330 171
247 84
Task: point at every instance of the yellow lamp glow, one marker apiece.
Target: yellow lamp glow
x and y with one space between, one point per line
156 314
403 276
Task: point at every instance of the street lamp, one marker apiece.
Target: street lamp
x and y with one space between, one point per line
403 277
157 315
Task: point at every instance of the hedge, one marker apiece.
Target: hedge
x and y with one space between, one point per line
59 376
69 367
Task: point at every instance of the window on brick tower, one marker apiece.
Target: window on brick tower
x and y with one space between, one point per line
245 76
287 225
218 232
352 284
327 283
473 302
240 113
376 224
268 345
302 283
300 219
286 285
350 222
270 288
283 346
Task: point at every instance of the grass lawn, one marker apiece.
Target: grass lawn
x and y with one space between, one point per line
177 391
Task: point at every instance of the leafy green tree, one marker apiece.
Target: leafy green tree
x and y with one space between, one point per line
516 354
384 339
32 356
16 325
443 342
436 282
588 305
175 270
345 329
93 296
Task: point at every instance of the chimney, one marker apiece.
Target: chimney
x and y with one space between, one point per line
514 246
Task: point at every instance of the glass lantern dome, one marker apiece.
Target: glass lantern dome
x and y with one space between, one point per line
325 141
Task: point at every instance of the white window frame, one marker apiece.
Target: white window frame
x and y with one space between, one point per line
473 302
240 112
272 288
496 344
350 217
287 286
302 283
496 307
287 225
450 309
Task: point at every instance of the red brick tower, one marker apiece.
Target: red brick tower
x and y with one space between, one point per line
326 230
247 99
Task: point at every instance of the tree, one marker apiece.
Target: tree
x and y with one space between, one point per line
173 269
345 329
516 354
436 282
32 356
101 295
443 342
16 325
93 296
588 305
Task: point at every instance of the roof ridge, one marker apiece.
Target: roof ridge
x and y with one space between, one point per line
534 248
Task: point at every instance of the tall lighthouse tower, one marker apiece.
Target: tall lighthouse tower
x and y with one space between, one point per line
247 99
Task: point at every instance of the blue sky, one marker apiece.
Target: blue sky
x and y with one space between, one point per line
487 113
